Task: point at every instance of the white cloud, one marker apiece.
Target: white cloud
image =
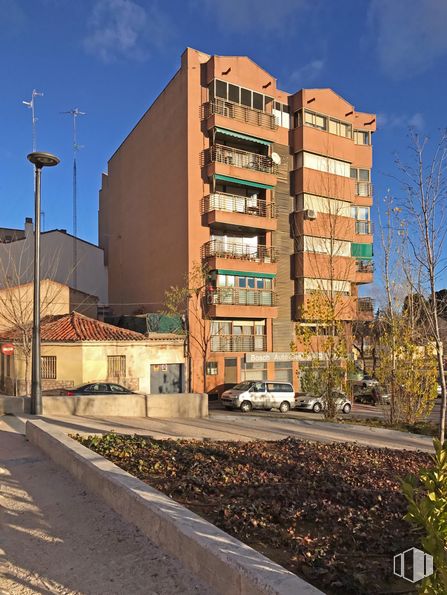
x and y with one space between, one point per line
307 74
390 121
124 29
261 16
410 34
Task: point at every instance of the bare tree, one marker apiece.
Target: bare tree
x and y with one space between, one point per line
424 215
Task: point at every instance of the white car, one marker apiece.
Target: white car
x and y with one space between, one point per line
259 395
317 404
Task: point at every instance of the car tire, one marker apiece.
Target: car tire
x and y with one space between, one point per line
317 408
246 406
284 407
346 408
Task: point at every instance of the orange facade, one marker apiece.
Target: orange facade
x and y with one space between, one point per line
271 191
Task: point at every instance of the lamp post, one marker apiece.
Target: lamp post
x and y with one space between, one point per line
39 160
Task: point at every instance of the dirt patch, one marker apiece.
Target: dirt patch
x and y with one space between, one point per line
331 513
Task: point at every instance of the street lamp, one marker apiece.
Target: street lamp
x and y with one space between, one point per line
39 160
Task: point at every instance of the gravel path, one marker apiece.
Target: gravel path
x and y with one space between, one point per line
56 538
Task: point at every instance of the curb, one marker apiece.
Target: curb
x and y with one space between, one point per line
226 564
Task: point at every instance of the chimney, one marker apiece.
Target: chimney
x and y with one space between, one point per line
29 229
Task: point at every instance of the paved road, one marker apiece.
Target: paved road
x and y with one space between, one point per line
222 425
55 538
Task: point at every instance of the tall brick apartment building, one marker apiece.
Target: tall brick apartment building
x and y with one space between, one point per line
227 170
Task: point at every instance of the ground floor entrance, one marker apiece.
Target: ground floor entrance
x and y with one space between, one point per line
167 378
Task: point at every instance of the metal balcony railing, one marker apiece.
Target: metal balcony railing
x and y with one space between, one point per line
224 249
365 304
364 266
239 158
363 227
241 113
235 296
241 343
233 203
363 189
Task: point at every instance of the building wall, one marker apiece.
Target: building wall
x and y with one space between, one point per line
56 262
143 205
80 363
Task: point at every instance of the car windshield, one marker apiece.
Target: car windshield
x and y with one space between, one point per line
243 386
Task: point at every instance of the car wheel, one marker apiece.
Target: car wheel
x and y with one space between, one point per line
284 407
316 408
346 408
246 406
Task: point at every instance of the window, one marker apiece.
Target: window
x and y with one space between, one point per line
211 368
282 114
315 120
233 93
322 163
362 137
284 372
116 365
325 246
308 285
49 367
322 204
258 101
340 128
116 388
360 213
221 89
362 175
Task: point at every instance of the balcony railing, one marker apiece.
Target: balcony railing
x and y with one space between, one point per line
238 158
233 203
223 249
363 227
241 343
241 113
363 189
235 296
364 266
365 304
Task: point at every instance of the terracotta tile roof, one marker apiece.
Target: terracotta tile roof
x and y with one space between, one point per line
77 327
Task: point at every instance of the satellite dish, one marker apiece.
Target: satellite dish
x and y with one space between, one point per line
276 158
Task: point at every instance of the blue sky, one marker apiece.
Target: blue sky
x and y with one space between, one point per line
111 58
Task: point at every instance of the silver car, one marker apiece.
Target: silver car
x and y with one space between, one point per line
260 395
317 404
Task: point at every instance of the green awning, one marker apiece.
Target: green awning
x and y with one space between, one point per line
243 274
364 251
242 182
253 139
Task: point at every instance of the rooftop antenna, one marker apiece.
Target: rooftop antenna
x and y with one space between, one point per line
30 105
75 112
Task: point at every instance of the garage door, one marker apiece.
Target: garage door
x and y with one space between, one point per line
166 378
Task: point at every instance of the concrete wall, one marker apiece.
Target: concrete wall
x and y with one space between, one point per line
57 262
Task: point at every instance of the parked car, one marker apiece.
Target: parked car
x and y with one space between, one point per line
257 394
366 382
94 388
375 395
317 404
439 390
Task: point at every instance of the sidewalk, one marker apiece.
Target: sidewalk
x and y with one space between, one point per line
56 538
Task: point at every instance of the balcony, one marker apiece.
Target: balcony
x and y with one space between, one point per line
365 308
364 189
238 343
236 296
233 203
240 113
221 249
363 227
364 266
239 158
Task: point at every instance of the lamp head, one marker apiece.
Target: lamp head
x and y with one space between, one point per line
43 159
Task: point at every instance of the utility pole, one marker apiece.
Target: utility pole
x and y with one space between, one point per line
75 112
31 105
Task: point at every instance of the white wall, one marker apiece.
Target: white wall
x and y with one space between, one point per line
16 262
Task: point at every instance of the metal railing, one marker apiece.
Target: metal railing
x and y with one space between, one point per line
233 203
241 113
363 227
365 304
239 158
224 249
241 343
235 296
363 189
364 266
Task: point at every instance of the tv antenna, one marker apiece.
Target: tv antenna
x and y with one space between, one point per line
30 105
74 113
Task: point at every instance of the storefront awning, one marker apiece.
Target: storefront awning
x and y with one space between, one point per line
221 178
244 274
253 139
